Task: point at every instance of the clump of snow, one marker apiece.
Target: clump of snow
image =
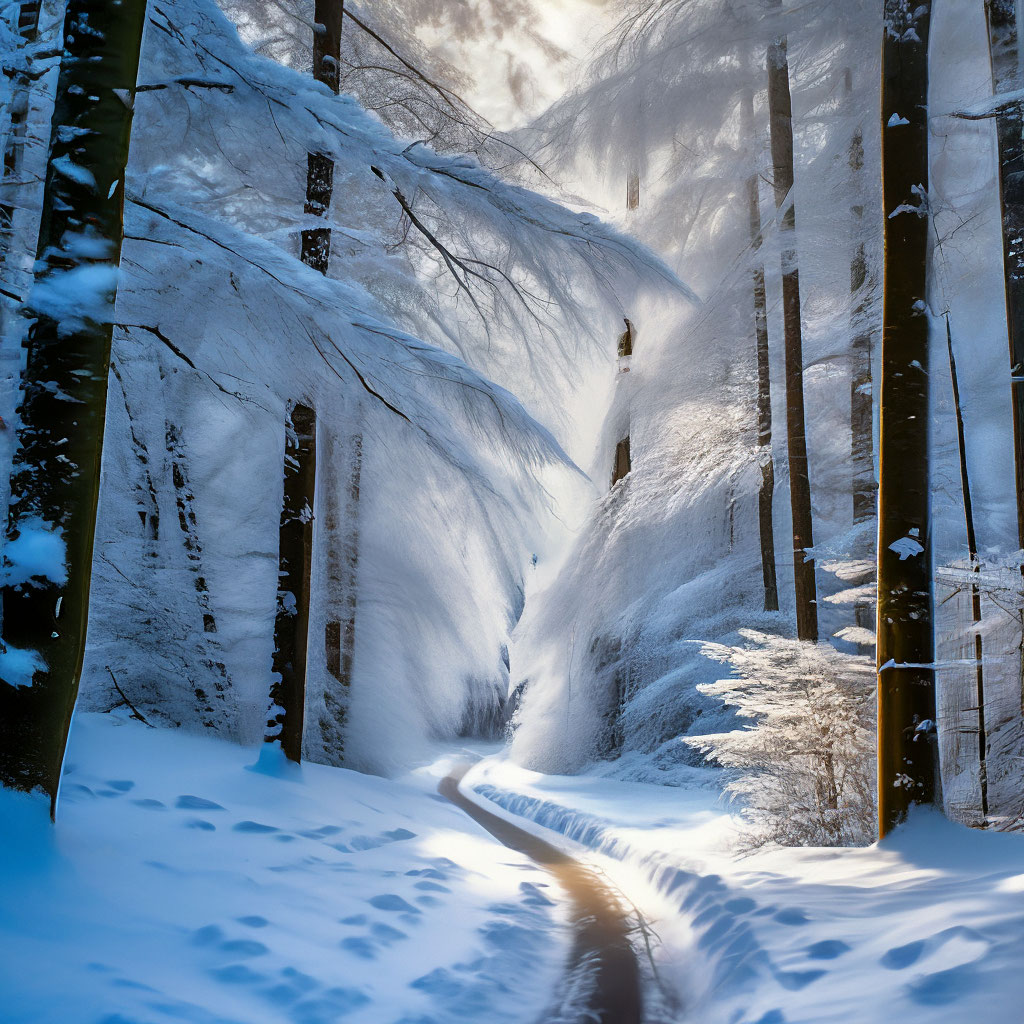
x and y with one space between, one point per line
38 552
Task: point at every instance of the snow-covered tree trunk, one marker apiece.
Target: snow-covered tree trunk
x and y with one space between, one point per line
210 707
907 748
780 116
1004 47
55 478
862 442
316 242
341 527
291 626
766 492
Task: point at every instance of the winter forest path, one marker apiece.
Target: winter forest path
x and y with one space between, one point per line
602 957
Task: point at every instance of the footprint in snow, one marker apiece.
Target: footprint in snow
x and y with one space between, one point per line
359 946
322 832
196 803
121 785
255 827
944 987
253 921
792 916
829 949
244 947
430 873
237 974
386 934
207 935
199 823
329 1006
900 957
392 902
383 839
150 804
431 887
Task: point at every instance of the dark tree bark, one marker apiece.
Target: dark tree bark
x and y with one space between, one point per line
972 550
623 462
780 117
907 741
766 493
1004 47
316 242
291 626
55 476
342 554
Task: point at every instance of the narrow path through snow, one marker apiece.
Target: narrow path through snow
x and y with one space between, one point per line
602 960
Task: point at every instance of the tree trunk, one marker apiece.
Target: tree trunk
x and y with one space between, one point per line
343 586
766 494
862 442
780 115
291 626
907 749
55 476
316 242
1004 47
623 462
342 557
972 549
185 500
633 188
863 488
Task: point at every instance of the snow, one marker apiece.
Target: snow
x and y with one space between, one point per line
923 927
37 552
183 886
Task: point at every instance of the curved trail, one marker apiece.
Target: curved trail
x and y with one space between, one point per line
601 947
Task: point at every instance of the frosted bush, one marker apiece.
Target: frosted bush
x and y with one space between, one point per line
803 768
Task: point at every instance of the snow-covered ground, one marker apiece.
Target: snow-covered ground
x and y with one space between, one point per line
926 926
182 886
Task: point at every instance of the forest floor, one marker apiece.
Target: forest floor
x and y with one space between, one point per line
927 926
182 885
186 883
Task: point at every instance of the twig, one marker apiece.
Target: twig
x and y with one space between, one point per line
136 713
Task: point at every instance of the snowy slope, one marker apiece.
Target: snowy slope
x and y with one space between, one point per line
926 926
182 886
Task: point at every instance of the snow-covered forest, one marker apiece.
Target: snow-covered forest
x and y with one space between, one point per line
515 511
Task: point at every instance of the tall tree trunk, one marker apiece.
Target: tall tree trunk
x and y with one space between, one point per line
780 117
339 629
316 242
55 477
1004 47
862 449
862 446
211 716
766 494
291 626
972 550
908 761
